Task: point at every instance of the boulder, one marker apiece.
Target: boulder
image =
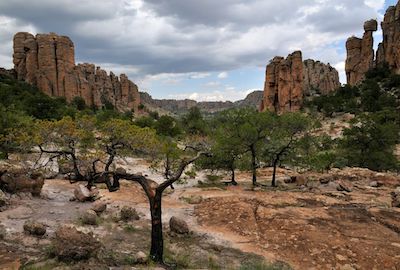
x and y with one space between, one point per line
375 184
34 228
129 213
89 217
193 199
178 226
99 207
20 180
73 245
83 194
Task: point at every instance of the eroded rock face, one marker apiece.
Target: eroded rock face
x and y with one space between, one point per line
319 77
360 54
20 180
288 80
389 50
48 61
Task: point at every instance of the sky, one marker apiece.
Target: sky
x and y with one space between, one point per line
205 50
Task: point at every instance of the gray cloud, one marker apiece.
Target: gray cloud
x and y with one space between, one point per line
175 36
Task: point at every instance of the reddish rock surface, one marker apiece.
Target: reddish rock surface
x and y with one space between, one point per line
288 80
360 54
389 51
48 61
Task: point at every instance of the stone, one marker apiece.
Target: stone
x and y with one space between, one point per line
89 217
324 180
34 228
20 180
342 186
73 245
3 232
141 257
99 207
82 193
178 225
288 81
128 213
48 62
375 184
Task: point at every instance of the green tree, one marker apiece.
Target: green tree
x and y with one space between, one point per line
194 123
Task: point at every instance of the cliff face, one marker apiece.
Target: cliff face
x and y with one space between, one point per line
319 78
288 80
389 49
48 61
360 54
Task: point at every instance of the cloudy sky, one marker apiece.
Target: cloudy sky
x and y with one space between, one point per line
204 50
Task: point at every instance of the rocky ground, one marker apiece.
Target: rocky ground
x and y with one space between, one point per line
340 220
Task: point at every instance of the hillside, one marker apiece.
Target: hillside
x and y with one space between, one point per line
182 106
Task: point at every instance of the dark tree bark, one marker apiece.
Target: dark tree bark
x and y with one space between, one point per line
253 165
157 241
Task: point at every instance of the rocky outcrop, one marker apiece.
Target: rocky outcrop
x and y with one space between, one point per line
360 54
182 106
319 78
283 89
288 81
48 61
389 50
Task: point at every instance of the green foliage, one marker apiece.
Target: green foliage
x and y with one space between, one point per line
370 142
167 126
194 123
79 103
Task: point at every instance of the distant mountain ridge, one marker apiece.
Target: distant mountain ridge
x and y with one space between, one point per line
182 106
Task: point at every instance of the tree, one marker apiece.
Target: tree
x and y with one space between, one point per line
370 141
194 123
92 150
167 126
286 132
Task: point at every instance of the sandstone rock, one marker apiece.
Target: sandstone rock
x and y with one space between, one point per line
73 245
288 80
375 184
48 61
283 89
360 54
342 186
83 194
129 213
99 207
89 217
34 228
319 78
20 180
141 257
390 50
178 226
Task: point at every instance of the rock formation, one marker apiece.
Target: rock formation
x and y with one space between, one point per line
288 80
319 78
48 61
389 50
360 54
